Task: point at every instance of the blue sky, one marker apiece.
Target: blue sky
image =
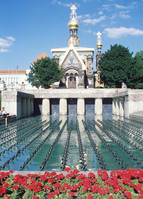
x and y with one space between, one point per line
29 27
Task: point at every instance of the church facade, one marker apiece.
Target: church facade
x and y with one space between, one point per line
76 61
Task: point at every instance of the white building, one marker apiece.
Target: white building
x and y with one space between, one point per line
10 79
17 79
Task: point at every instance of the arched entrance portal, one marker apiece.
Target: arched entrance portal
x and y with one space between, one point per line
71 82
71 78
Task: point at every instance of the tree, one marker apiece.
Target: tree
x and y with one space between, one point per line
139 57
117 66
45 72
136 73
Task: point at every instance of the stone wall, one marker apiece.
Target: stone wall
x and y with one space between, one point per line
124 102
18 103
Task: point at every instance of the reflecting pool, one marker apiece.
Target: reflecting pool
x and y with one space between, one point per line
88 142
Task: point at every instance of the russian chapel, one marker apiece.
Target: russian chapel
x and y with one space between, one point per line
76 61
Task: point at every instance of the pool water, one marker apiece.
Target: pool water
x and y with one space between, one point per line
84 142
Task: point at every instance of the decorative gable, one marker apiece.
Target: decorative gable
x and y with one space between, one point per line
71 60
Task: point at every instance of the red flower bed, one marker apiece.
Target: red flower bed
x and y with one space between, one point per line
119 184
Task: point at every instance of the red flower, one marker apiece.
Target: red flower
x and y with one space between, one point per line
128 194
111 197
71 193
57 185
53 173
91 175
126 181
43 178
47 173
37 189
6 185
75 171
35 197
141 179
116 191
95 188
80 183
63 189
6 196
75 188
90 197
84 189
70 175
60 176
11 171
46 187
15 187
67 169
50 181
80 176
50 195
66 185
55 193
94 180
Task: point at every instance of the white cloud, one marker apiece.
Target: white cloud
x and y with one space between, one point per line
124 15
106 7
120 6
2 50
64 4
6 43
61 3
83 16
11 38
122 31
100 12
94 21
132 5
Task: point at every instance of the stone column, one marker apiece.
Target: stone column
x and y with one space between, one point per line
117 106
113 106
24 107
31 107
63 107
121 111
45 107
28 107
98 106
76 81
67 81
19 111
80 107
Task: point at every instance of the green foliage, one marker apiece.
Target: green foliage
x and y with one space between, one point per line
135 74
45 72
114 66
139 57
117 66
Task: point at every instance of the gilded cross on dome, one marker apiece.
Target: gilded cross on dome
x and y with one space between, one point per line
99 35
73 13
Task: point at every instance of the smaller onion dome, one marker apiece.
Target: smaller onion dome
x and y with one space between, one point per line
99 45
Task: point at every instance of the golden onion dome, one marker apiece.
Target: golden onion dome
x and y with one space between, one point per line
99 45
73 24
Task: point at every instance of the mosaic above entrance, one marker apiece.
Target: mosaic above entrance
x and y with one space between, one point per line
71 61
